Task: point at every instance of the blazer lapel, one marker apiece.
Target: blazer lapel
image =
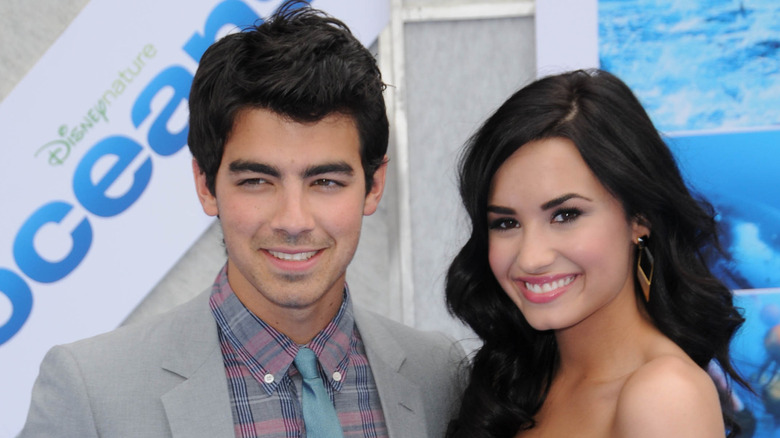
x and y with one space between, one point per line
401 400
199 406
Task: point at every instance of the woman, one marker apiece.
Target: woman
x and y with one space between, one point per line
585 273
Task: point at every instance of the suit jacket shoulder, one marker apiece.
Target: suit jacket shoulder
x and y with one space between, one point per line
162 377
420 375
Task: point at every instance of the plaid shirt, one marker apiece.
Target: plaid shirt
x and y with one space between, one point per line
264 383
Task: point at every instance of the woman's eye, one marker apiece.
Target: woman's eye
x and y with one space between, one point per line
567 215
503 224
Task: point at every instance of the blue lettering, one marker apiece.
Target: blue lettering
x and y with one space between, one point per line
160 140
93 195
297 5
28 259
13 287
228 12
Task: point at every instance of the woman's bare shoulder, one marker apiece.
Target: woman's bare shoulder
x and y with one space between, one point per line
669 396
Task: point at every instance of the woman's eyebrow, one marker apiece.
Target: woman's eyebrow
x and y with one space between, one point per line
500 210
561 199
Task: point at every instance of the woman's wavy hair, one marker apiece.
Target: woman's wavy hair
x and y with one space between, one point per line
512 371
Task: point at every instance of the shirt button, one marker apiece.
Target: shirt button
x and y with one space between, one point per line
337 376
269 378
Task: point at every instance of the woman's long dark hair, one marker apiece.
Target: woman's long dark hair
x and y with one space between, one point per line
512 371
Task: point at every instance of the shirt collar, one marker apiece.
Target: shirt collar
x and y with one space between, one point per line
266 351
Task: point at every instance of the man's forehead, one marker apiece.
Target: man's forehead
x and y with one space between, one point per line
331 117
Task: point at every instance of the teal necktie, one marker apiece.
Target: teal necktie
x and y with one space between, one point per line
319 415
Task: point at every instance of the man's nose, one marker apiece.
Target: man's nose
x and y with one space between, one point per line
293 215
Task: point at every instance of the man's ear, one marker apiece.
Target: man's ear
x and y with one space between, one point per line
377 188
207 199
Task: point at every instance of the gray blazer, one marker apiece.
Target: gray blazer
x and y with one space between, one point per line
165 378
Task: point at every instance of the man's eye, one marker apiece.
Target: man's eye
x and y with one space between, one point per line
503 224
566 215
324 182
251 182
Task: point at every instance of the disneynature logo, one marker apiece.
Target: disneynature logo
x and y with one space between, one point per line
121 150
58 150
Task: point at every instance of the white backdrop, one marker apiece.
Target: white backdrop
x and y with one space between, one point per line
96 191
566 35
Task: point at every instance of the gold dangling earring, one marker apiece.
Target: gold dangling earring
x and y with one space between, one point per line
644 263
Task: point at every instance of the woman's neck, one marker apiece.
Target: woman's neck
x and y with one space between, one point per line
607 345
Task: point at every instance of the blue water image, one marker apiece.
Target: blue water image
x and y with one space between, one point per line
756 354
696 64
737 173
732 171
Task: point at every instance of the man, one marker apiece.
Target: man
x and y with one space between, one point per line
288 132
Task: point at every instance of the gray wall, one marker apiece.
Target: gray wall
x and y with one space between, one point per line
449 64
457 73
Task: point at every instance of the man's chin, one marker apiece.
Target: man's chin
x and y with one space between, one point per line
297 302
294 278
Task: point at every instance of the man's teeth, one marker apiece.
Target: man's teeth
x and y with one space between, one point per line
548 287
297 257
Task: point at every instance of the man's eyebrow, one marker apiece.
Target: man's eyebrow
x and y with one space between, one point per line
500 210
561 199
240 166
321 169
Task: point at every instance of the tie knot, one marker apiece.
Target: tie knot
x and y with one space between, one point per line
306 362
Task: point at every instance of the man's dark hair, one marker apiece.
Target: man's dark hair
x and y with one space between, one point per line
301 64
